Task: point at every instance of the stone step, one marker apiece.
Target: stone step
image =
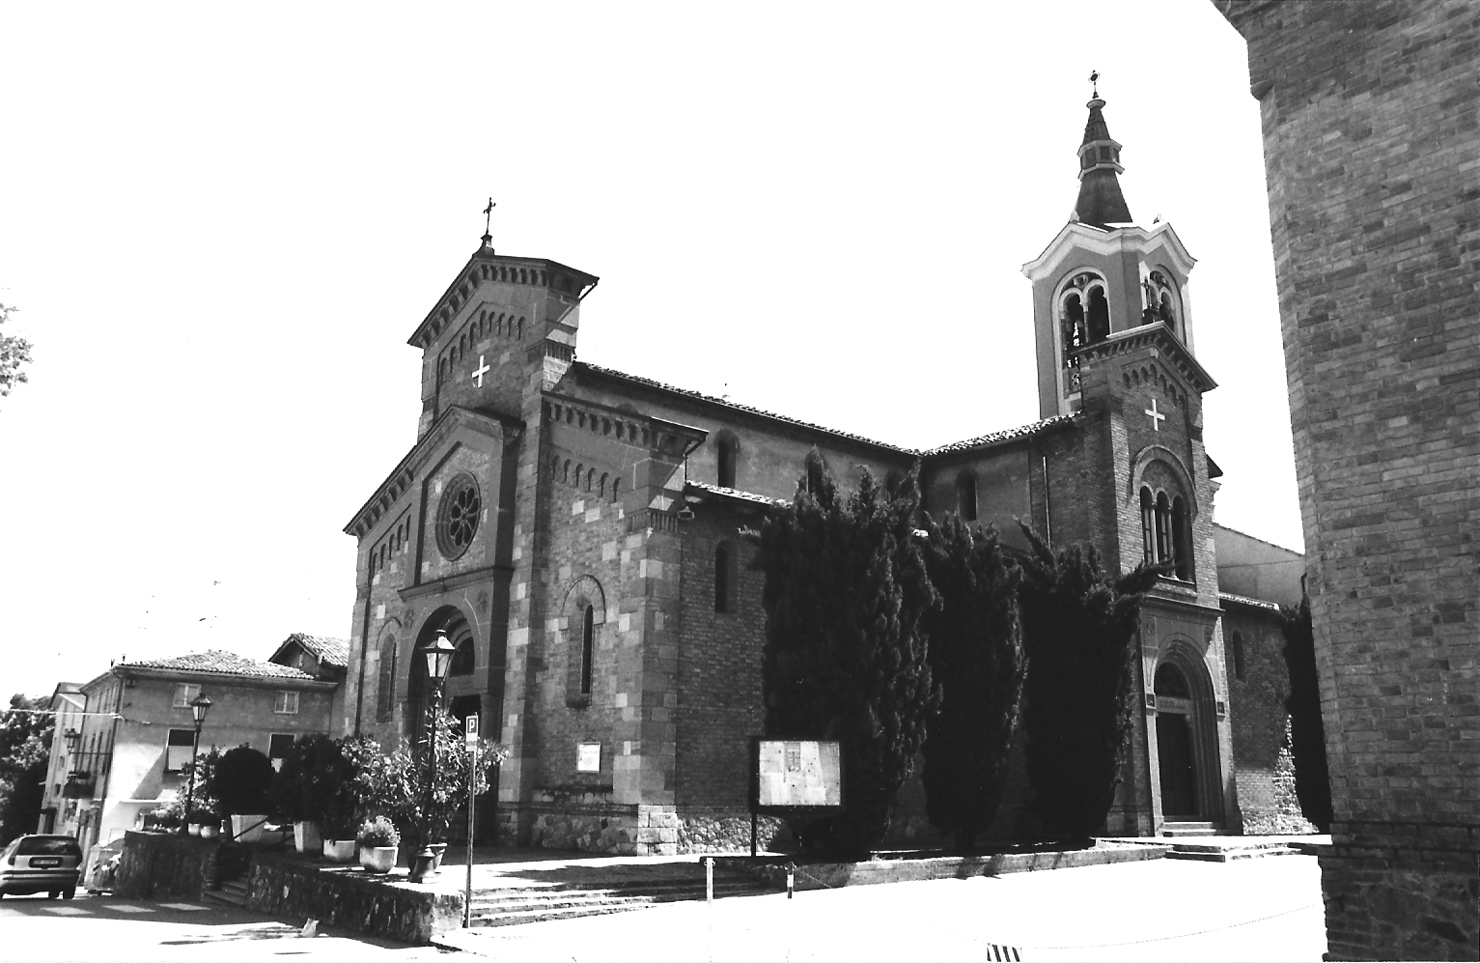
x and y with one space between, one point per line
526 904
1189 829
232 892
544 915
1214 854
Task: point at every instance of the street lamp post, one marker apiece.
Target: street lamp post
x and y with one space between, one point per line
438 654
199 706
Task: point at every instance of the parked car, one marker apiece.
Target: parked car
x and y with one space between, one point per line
35 864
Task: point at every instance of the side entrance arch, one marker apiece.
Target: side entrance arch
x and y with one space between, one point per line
1187 739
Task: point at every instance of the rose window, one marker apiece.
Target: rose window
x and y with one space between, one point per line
457 519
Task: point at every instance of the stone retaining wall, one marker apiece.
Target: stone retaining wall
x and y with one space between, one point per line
165 865
291 887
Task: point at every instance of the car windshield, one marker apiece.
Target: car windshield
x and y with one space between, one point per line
47 846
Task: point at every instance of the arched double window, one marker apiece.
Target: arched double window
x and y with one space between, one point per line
1084 318
1166 533
1161 299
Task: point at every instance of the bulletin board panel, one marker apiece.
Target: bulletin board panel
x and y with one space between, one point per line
794 774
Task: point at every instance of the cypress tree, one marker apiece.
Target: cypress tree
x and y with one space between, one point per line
1078 623
976 653
1307 732
845 659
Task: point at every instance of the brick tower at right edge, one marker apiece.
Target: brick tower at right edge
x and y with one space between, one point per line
1371 123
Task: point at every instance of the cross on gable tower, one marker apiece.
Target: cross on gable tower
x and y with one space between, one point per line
1114 343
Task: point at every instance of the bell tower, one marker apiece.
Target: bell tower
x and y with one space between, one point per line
1103 276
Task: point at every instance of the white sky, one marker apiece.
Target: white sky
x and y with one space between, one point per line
221 224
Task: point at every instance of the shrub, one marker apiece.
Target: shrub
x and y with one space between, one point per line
241 780
1078 624
308 786
976 653
378 831
1307 732
845 659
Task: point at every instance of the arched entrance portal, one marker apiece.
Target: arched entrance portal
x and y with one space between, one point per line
457 689
1187 739
1174 744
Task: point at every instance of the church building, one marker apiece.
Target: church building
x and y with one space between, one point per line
578 534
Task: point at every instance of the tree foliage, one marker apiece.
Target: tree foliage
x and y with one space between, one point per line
1078 622
845 657
976 652
241 781
1307 732
25 751
14 352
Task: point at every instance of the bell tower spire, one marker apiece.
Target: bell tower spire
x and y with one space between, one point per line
1100 201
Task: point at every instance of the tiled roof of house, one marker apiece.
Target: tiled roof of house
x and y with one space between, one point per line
326 650
998 437
737 494
220 662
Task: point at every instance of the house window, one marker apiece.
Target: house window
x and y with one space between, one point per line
462 659
724 589
278 745
286 703
177 750
185 693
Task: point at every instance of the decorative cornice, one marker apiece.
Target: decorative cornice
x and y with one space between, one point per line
1159 338
401 477
454 582
640 431
484 265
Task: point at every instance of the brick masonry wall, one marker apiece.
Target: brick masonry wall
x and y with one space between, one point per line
1372 155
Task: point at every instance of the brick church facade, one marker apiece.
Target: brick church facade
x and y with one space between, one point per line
579 534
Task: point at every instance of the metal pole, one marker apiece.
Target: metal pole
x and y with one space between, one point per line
190 781
468 889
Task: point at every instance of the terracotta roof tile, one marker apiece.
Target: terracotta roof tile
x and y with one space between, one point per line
220 662
999 437
326 650
1245 600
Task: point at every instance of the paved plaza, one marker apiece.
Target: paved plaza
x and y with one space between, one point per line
1264 909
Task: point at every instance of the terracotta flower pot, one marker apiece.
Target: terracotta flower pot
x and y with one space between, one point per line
378 859
248 828
209 830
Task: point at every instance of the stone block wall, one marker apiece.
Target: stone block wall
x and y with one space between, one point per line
294 888
165 866
1372 155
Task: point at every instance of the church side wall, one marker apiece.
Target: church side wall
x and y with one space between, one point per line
1371 146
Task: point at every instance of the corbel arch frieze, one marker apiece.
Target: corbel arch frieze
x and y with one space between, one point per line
1160 453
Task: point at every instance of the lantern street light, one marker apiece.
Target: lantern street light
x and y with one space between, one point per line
438 654
199 706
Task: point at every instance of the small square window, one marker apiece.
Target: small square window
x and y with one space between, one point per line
186 693
287 703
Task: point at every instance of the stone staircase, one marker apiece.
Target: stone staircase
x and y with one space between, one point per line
537 903
233 892
1175 829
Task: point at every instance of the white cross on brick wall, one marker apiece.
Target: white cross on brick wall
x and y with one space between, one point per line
482 370
1156 417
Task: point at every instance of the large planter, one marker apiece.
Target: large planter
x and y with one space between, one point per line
306 837
438 851
378 859
339 850
193 829
209 830
248 828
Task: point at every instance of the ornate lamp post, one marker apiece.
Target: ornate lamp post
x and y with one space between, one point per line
438 654
199 706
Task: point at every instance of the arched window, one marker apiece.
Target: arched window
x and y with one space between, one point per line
1148 525
1099 315
1073 321
1164 542
729 456
892 481
385 693
966 495
724 578
1181 540
816 468
462 659
1238 655
588 647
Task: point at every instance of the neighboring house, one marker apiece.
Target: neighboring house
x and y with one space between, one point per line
320 657
66 779
1256 578
581 537
138 732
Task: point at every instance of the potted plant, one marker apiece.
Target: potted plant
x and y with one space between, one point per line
239 783
312 770
378 839
350 791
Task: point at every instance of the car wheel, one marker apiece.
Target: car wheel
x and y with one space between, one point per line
53 893
69 892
